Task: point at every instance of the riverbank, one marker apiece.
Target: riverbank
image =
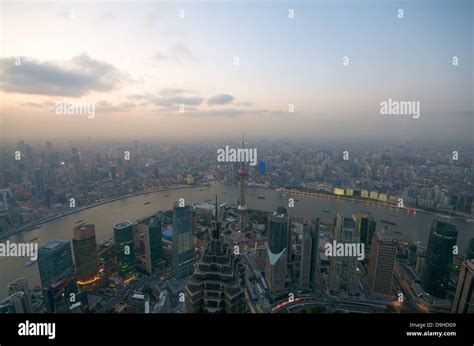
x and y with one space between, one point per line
40 222
412 210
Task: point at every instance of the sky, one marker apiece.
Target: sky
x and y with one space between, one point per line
212 69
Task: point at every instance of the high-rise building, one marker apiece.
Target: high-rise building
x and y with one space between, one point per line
153 245
343 269
217 285
63 296
306 258
365 226
183 246
39 185
124 249
85 255
277 248
14 304
463 301
242 207
21 285
439 258
314 272
381 265
139 303
470 250
55 261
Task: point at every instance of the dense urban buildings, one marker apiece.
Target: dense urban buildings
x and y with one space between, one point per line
163 251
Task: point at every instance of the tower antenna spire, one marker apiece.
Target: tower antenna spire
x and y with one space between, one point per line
216 229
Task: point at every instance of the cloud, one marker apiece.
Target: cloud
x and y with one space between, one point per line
235 112
173 91
106 107
220 99
179 54
75 77
178 100
47 104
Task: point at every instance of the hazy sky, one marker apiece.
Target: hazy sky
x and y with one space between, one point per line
139 61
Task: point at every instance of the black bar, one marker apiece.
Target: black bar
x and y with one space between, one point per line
289 329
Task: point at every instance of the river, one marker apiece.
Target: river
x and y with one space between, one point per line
412 227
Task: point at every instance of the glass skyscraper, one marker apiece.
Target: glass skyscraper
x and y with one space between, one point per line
153 244
55 261
439 258
183 247
365 226
277 253
124 250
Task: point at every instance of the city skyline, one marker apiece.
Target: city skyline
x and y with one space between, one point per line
242 170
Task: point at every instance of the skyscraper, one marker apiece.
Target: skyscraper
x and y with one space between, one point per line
217 285
85 254
365 227
139 303
124 250
63 296
242 207
306 258
463 301
314 272
39 185
21 285
55 261
277 248
153 245
439 258
183 246
381 265
343 269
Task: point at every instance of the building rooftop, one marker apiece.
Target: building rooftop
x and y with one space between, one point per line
122 224
52 245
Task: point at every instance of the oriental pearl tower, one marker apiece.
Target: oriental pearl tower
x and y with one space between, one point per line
242 208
